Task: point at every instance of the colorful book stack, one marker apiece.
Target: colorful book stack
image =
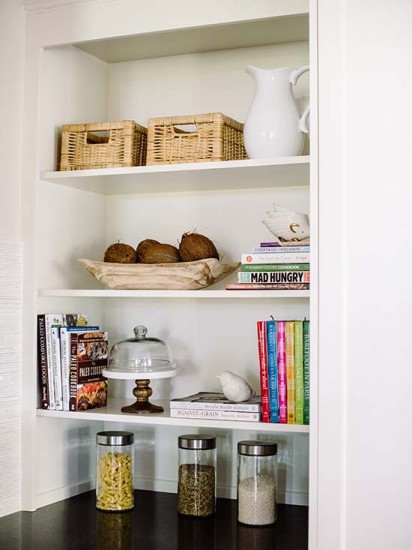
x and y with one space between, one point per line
215 406
71 357
284 360
271 266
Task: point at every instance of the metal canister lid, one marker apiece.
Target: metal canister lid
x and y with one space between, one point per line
197 441
257 448
114 438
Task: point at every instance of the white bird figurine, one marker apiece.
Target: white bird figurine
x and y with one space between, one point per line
234 387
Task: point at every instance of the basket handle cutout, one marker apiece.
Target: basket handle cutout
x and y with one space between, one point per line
97 137
185 128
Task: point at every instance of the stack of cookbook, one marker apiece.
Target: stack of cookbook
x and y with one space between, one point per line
71 357
215 406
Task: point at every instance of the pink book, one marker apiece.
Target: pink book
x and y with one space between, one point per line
263 365
281 341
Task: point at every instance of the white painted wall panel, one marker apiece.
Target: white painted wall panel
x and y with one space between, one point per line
379 289
11 341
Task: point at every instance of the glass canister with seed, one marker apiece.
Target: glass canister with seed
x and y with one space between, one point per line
114 483
257 482
196 494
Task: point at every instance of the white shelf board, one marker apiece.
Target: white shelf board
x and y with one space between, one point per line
290 26
202 176
191 294
112 413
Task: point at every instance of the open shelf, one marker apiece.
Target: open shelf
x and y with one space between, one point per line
112 413
192 294
291 25
202 176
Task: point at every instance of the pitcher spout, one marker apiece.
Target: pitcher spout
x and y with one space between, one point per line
253 71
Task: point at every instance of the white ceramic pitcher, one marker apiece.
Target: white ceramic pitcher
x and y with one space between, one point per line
274 126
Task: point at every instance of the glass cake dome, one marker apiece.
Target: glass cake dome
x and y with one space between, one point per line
141 356
140 359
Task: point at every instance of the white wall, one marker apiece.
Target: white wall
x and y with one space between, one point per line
366 293
378 287
12 45
12 50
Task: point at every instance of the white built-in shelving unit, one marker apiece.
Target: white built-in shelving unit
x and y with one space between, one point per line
190 63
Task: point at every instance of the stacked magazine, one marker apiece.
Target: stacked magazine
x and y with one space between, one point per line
215 406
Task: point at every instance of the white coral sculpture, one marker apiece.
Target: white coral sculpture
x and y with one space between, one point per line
286 224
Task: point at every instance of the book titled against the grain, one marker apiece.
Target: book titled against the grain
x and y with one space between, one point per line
214 401
88 358
207 414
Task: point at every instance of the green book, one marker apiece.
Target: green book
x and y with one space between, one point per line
299 395
306 370
275 267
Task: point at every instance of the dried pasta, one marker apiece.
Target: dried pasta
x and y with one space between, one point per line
114 482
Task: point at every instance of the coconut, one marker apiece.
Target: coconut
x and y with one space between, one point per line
194 246
160 254
142 247
120 253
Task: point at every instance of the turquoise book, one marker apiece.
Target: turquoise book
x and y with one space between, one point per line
272 371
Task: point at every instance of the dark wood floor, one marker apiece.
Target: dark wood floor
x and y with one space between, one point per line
152 525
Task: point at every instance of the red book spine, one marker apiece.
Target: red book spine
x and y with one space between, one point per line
281 341
263 365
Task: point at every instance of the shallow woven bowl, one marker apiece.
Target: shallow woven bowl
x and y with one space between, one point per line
178 276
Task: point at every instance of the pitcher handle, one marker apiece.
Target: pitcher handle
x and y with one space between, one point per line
303 122
296 73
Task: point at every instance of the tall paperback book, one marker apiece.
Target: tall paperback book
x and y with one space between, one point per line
282 382
42 363
88 358
50 381
299 396
263 368
56 367
272 370
65 337
290 371
306 370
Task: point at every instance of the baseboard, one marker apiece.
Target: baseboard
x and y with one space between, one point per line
55 495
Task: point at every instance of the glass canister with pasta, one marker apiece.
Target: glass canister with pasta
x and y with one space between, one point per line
114 483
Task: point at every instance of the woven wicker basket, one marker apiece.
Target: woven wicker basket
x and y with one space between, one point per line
103 145
214 137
